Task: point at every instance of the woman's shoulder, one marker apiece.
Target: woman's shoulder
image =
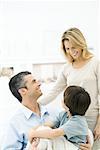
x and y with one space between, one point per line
95 61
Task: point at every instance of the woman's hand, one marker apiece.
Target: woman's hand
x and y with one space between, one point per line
97 132
86 146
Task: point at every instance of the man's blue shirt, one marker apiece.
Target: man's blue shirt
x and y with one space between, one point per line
16 137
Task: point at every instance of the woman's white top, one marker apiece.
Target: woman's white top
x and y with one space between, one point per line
88 76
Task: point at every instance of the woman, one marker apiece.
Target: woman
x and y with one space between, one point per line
81 69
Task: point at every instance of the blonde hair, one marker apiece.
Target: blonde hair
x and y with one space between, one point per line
76 37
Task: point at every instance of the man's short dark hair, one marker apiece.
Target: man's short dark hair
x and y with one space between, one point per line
17 82
77 100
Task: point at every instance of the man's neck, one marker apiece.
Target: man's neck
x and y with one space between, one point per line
32 105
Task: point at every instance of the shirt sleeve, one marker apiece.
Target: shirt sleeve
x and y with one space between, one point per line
59 86
56 121
74 127
13 140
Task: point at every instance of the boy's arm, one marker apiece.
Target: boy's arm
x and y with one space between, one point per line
49 124
30 135
45 133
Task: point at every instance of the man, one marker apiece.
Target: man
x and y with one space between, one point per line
27 90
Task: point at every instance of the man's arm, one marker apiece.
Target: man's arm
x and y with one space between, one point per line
52 133
82 147
13 139
86 146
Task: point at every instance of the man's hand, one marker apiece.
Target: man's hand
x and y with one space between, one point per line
86 146
34 144
30 134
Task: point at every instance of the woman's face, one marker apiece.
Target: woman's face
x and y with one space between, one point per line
74 51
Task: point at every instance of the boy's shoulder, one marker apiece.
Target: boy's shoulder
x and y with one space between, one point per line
63 114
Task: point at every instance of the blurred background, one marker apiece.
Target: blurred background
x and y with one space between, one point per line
30 38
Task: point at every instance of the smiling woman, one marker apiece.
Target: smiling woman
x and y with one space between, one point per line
82 69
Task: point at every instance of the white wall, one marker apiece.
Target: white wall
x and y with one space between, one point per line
30 31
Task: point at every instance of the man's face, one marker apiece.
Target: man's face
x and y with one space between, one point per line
32 86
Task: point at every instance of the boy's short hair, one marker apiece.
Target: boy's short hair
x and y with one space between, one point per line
77 100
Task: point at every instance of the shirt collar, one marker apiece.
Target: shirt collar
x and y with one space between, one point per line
44 111
27 112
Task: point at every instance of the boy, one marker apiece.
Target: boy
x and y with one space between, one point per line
70 123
